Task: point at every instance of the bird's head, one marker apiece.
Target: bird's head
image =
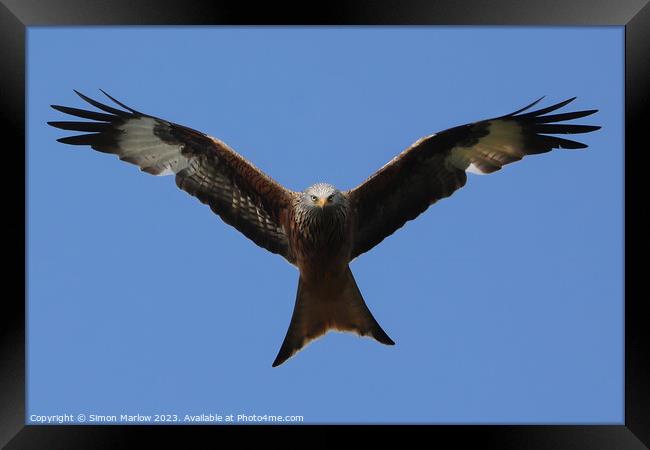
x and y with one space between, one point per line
323 196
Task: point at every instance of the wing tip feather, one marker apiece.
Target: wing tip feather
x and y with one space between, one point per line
119 102
526 107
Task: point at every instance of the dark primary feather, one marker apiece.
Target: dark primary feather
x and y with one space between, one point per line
434 167
205 167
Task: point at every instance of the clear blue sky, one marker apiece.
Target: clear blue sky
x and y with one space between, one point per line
505 300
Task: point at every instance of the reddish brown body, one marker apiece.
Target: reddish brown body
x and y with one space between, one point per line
321 253
328 296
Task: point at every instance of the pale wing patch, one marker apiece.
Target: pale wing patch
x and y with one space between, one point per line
139 145
501 145
475 170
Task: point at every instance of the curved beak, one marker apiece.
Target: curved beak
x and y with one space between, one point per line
321 202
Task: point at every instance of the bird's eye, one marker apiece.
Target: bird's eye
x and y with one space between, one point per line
314 198
330 198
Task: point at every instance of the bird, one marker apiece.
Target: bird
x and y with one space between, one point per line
321 229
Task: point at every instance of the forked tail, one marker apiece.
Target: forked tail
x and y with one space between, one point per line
315 313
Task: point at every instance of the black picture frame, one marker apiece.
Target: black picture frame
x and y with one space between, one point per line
634 15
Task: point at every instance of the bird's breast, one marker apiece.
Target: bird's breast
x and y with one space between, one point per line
322 244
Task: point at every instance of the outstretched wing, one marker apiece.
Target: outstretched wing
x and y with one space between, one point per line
434 167
205 167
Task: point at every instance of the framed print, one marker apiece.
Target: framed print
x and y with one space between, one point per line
514 315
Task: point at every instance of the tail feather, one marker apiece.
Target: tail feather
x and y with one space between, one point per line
315 314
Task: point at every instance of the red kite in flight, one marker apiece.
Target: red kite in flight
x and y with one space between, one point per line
321 229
